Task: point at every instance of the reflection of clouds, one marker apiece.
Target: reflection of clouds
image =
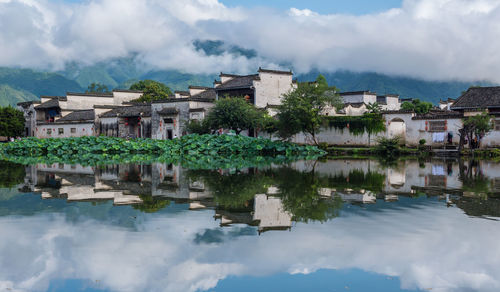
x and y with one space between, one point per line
427 247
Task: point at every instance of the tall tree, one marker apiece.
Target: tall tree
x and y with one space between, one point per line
153 90
11 122
420 107
301 109
475 128
97 88
235 114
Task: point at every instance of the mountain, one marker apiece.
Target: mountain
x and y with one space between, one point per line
11 96
431 91
25 84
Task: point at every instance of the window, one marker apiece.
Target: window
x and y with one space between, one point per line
61 131
73 130
437 126
49 131
497 125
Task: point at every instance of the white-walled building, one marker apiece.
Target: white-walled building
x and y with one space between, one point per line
264 90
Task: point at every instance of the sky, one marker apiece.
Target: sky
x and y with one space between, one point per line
428 39
356 7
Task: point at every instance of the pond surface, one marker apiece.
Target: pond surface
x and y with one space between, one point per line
338 225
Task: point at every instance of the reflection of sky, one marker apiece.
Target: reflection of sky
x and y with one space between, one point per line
425 245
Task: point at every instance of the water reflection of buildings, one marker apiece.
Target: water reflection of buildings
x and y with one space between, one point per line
126 184
353 181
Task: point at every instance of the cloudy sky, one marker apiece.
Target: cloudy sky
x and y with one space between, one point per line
431 39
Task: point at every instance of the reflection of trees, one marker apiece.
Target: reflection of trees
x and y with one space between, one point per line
235 190
151 204
300 195
299 191
11 174
472 177
357 180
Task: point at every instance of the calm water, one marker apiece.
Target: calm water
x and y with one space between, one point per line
339 225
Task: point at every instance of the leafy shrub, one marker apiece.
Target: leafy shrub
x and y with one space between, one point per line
422 142
198 127
388 146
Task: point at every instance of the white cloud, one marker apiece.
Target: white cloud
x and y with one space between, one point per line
439 250
431 39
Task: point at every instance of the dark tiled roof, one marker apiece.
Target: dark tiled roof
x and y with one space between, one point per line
48 104
80 115
209 93
182 92
168 111
357 93
62 98
195 110
128 111
354 104
438 115
25 104
127 90
238 82
479 97
400 111
198 87
90 94
183 99
275 71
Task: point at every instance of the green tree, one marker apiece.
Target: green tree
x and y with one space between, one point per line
11 122
420 107
198 127
97 88
475 127
235 114
153 90
301 108
374 108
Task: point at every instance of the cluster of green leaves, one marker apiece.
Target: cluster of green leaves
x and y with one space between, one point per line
152 90
190 147
371 123
301 109
420 107
476 127
11 122
236 114
198 127
388 147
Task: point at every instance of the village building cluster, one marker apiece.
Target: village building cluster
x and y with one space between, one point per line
116 114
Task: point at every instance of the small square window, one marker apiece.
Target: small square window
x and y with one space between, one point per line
73 130
49 131
60 131
497 125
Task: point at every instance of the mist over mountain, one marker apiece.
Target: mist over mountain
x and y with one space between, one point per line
25 84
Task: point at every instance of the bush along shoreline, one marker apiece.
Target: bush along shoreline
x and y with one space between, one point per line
189 146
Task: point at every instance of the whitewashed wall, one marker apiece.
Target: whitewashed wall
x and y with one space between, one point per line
270 88
82 130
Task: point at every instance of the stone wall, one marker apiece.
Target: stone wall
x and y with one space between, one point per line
158 126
